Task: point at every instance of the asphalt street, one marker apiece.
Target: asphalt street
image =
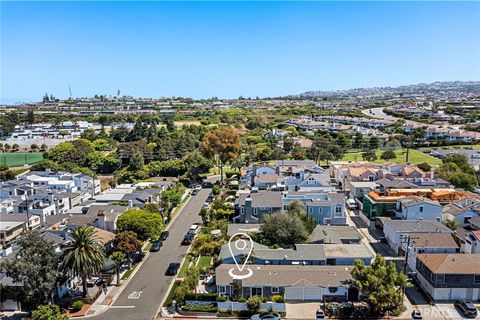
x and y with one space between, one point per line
141 298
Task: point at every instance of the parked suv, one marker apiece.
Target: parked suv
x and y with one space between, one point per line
194 229
467 308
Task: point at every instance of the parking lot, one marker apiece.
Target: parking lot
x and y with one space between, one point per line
473 155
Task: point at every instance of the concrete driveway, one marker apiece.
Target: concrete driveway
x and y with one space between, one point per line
301 310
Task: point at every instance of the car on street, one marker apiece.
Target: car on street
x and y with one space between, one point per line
467 308
266 316
156 245
164 235
320 314
194 229
194 192
416 314
172 269
187 240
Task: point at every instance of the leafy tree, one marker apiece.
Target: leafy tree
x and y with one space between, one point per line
83 256
6 147
30 117
381 284
456 170
167 168
152 207
298 153
34 147
145 224
344 141
136 162
128 243
298 209
283 229
76 152
45 164
104 144
34 267
118 257
47 312
373 143
424 167
196 164
369 155
388 155
222 145
452 224
464 180
15 147
43 147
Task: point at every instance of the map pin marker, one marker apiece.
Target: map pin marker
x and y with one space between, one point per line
243 245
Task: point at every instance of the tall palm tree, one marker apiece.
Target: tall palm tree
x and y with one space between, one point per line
83 257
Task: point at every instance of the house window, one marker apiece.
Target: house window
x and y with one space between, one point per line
421 208
310 210
476 279
320 210
222 290
466 219
440 279
255 291
275 290
338 211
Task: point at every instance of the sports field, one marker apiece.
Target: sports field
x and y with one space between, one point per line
18 159
415 157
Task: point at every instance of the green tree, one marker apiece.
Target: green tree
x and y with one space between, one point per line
34 147
369 155
388 155
452 224
381 284
34 266
298 209
128 243
83 256
373 143
136 162
145 224
283 229
47 312
424 167
15 147
223 145
118 257
152 207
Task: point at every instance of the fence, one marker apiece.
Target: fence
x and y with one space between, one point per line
239 306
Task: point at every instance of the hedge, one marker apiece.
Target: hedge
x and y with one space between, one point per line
201 296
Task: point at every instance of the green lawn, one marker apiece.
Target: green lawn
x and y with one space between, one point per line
17 159
416 156
204 262
127 273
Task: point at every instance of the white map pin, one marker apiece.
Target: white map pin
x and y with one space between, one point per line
243 245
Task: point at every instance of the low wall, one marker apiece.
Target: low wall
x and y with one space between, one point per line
239 306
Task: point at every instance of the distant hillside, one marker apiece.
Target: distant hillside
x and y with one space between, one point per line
439 88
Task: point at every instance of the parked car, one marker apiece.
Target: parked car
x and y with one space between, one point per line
416 314
172 269
267 316
194 192
156 245
467 308
187 240
194 229
164 235
320 315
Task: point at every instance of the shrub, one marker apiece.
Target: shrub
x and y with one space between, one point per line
201 296
199 308
254 303
278 298
77 305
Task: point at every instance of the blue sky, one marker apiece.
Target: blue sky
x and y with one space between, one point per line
228 49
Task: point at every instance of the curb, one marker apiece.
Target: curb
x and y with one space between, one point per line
133 274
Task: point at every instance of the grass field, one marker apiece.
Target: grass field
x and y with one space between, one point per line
17 159
204 262
184 267
416 157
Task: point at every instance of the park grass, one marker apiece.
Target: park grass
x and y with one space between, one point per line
204 262
416 157
17 159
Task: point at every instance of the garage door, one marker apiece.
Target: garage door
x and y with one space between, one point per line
303 293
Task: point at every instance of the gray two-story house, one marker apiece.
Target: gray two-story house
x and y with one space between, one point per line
453 276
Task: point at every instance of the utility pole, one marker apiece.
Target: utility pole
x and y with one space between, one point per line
408 240
28 215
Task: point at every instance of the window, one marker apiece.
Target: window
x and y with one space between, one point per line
310 210
275 290
421 208
440 279
338 211
320 210
476 279
255 292
222 289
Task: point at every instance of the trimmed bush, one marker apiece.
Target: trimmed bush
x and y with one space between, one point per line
278 298
201 296
193 308
77 305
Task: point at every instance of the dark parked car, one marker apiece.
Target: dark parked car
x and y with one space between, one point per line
172 269
156 245
164 235
467 308
267 316
187 240
194 192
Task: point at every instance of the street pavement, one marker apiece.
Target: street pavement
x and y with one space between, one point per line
141 298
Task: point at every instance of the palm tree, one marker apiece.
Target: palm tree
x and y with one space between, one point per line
83 257
118 258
